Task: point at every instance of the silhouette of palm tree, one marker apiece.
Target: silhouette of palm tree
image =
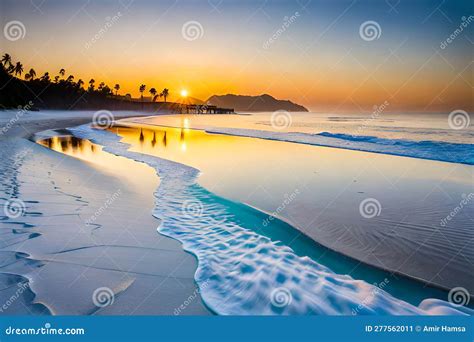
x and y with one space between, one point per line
62 72
117 88
27 77
165 93
18 68
6 59
70 78
91 84
32 73
45 77
80 83
56 79
153 93
142 89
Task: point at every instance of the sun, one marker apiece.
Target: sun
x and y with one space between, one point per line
184 93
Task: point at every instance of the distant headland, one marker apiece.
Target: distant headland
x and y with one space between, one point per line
260 103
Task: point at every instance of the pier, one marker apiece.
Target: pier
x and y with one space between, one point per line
206 109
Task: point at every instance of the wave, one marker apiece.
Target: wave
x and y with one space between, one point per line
432 150
241 272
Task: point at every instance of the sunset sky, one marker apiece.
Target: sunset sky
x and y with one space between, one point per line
319 60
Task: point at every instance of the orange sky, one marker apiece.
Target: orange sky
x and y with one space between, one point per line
315 63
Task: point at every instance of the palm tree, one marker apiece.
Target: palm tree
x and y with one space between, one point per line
32 73
91 84
27 77
116 87
153 93
101 86
80 83
56 79
62 72
18 68
45 77
165 93
70 79
6 59
142 89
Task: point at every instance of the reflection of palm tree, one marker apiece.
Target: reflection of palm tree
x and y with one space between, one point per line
153 141
18 68
164 139
165 93
142 137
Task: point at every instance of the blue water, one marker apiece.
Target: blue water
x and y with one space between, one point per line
244 269
431 150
